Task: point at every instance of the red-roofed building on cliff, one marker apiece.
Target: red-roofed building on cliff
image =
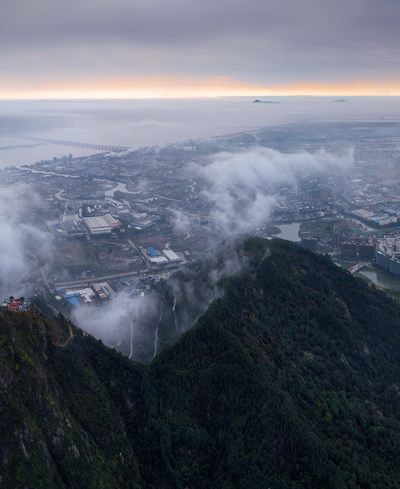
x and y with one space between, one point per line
13 304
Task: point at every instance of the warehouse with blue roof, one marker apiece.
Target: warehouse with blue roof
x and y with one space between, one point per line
151 251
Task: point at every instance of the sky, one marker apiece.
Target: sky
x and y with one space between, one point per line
192 48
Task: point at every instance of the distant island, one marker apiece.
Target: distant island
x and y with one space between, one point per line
264 102
339 100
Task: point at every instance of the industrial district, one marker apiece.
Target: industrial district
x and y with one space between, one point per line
123 220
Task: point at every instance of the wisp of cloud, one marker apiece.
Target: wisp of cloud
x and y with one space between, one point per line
244 186
23 247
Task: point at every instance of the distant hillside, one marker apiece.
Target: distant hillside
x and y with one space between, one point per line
290 379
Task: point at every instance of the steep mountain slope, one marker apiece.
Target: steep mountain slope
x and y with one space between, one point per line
173 306
58 427
289 380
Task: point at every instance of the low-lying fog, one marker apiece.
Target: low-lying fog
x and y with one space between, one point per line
135 123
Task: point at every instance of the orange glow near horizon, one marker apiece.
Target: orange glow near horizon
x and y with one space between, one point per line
171 87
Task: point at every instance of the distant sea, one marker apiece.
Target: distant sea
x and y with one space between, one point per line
139 123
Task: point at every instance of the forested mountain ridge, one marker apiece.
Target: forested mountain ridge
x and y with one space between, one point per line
290 379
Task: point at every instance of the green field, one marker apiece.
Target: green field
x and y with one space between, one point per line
317 229
272 230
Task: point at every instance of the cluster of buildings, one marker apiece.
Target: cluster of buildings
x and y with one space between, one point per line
94 217
155 257
388 216
388 254
386 251
311 201
358 248
13 304
96 293
125 201
91 226
142 220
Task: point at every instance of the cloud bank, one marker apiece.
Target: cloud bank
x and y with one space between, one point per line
23 247
244 186
117 322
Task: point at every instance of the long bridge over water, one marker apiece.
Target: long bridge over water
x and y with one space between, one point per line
76 144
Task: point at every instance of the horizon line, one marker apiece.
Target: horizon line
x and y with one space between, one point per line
189 97
169 87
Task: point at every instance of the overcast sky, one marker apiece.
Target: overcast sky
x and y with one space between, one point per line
192 47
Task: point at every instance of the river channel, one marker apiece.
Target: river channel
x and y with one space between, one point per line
381 279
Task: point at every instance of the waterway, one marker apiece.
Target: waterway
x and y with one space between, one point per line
289 231
381 279
19 151
121 187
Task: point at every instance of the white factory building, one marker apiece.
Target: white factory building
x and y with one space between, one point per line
171 255
158 260
101 224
